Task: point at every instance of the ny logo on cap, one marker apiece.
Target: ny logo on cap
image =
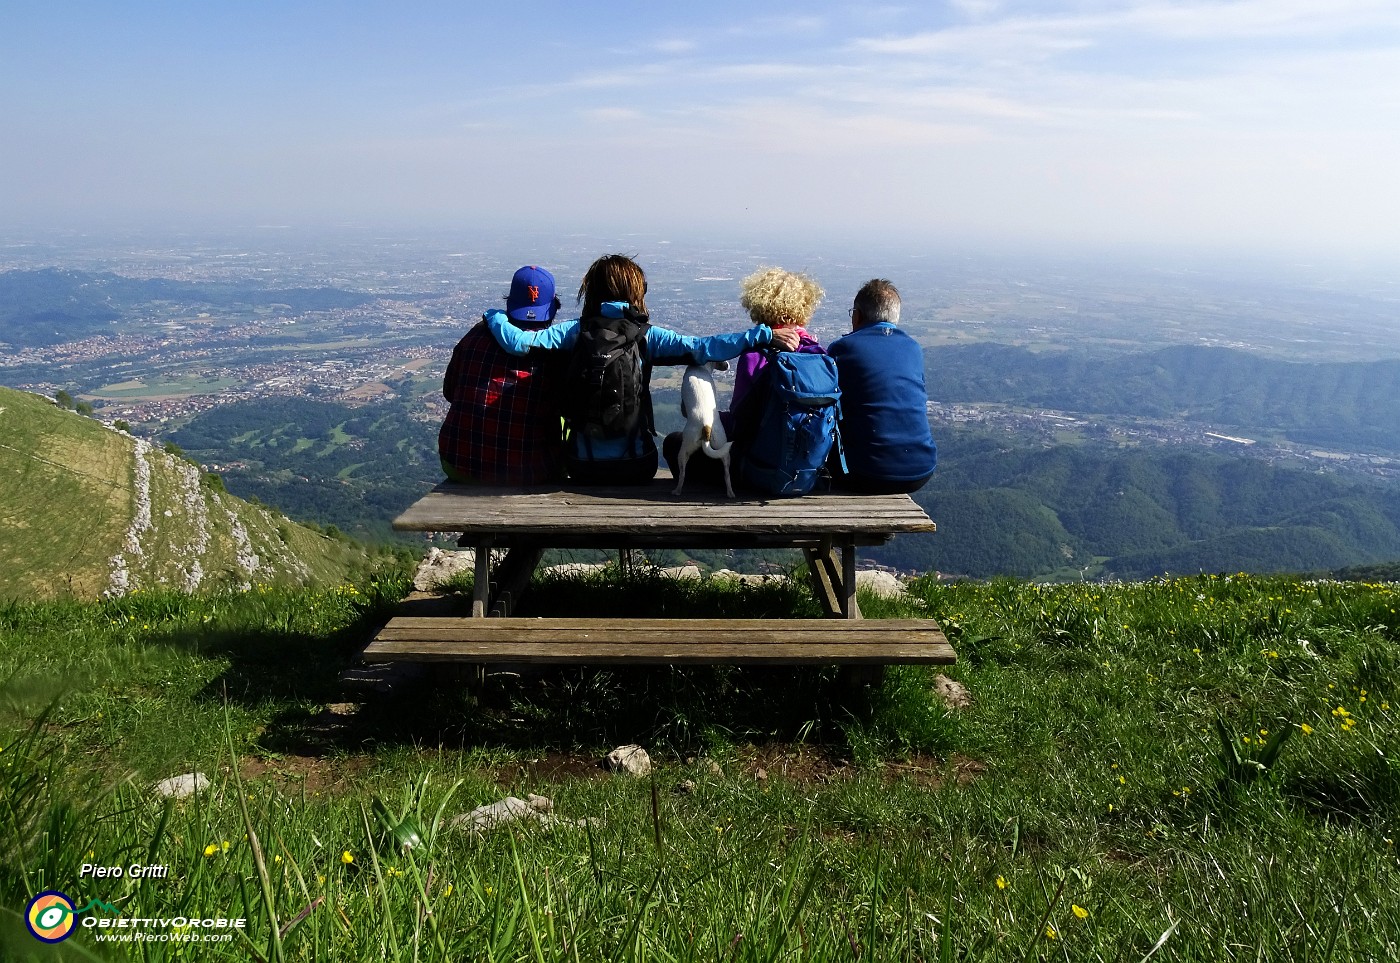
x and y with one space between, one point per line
534 292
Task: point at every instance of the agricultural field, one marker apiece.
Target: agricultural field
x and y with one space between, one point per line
1188 769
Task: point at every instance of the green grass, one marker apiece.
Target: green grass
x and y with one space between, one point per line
1081 809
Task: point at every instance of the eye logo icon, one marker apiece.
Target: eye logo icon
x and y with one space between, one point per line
49 916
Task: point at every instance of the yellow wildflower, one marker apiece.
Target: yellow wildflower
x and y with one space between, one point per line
1079 911
347 857
211 849
1050 933
1001 882
1307 729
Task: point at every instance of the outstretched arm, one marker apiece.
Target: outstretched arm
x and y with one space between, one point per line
517 340
668 347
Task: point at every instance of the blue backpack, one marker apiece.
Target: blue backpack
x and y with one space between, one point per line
786 426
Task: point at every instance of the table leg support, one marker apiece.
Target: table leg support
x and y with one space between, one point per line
512 575
833 579
481 583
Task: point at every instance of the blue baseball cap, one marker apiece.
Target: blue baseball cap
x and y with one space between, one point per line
531 295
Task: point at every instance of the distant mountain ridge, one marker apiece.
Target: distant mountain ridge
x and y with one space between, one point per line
1330 404
1061 510
93 511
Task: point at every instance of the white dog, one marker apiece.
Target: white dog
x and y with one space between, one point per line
703 429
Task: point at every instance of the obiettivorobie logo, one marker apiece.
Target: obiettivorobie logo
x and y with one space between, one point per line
50 915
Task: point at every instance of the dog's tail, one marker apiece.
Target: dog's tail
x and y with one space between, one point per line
709 447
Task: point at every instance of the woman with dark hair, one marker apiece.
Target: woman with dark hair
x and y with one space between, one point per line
613 295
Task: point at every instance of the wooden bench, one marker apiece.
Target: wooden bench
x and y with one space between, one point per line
664 641
828 528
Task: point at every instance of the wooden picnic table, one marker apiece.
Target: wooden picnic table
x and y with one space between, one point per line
524 522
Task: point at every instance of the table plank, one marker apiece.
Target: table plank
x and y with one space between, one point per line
652 512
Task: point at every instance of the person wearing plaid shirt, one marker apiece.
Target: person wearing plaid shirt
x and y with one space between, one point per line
503 426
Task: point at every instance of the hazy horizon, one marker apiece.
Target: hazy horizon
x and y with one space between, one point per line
1263 127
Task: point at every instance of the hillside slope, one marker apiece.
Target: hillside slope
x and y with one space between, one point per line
88 510
1354 405
1064 511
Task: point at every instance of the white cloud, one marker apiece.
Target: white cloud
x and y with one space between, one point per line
612 115
675 46
1230 20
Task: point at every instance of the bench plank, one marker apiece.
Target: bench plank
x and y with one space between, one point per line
663 641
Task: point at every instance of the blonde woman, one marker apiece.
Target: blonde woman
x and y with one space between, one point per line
783 301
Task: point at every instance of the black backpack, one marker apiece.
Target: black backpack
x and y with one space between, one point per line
606 385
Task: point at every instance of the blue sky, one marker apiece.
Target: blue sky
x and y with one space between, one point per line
1268 124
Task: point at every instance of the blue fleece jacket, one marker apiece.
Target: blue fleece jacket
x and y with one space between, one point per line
884 407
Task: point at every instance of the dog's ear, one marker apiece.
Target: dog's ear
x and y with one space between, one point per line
720 365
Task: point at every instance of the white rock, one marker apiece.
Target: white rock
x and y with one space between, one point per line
727 575
882 584
631 759
576 568
682 572
954 695
510 809
439 567
181 787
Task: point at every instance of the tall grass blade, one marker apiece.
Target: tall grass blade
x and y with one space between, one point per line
264 879
1162 941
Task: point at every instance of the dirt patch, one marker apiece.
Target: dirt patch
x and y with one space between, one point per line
931 772
552 768
801 764
318 773
808 766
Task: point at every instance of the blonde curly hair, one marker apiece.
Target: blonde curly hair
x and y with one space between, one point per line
780 298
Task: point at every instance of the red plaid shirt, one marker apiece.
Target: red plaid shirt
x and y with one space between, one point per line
503 427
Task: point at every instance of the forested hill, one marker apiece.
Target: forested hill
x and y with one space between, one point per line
1353 405
1135 514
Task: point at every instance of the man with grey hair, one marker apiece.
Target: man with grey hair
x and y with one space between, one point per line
884 407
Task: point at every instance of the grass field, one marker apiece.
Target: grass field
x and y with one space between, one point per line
1196 769
67 495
